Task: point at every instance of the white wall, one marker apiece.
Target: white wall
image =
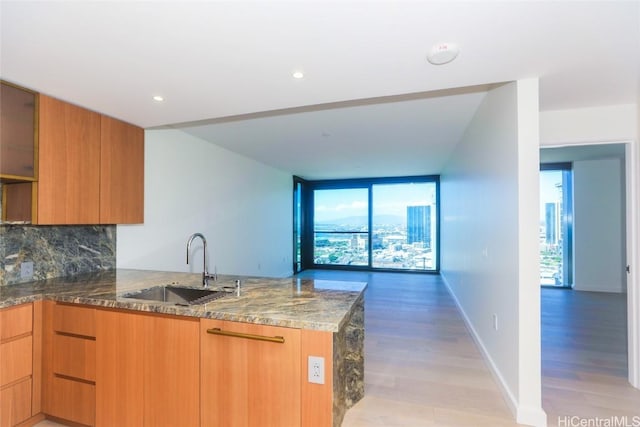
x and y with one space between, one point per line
489 239
632 168
243 208
599 222
589 125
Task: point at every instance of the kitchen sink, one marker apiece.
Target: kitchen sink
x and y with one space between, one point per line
177 294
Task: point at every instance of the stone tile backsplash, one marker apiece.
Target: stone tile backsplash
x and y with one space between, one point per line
56 251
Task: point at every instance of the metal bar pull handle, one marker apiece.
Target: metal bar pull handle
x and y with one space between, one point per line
218 331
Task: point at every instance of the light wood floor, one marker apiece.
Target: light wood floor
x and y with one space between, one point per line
584 356
423 369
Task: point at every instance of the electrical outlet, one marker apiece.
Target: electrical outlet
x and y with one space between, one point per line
26 270
495 321
316 369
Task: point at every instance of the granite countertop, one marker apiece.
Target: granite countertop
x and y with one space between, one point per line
289 302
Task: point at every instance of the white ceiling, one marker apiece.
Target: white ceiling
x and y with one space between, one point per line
365 107
585 152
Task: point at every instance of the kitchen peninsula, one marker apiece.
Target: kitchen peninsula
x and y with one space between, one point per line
153 363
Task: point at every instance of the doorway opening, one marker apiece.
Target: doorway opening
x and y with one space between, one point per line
586 329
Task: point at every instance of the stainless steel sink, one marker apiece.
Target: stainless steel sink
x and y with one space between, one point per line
177 295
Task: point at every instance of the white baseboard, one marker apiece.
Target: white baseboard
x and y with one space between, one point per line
599 288
523 415
531 416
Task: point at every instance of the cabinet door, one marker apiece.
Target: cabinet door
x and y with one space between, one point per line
147 370
68 187
122 172
171 372
249 382
119 374
17 132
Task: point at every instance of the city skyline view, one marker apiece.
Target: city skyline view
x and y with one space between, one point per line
341 226
553 242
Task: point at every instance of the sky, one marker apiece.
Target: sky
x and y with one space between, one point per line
393 199
548 191
388 199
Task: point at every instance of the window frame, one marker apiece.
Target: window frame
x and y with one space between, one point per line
567 219
308 232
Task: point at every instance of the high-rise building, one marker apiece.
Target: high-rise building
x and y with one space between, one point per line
419 225
552 222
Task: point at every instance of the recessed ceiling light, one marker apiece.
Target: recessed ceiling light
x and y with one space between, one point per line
443 53
298 74
158 98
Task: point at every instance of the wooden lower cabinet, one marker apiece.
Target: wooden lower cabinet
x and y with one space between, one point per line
69 340
147 370
249 382
15 403
119 369
72 400
19 354
108 367
17 359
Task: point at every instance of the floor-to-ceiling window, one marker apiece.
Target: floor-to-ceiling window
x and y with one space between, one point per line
341 226
556 225
404 226
378 223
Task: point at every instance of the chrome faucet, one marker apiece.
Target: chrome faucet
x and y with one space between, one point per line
205 275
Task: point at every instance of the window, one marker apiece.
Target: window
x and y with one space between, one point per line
404 226
378 223
297 226
556 225
341 226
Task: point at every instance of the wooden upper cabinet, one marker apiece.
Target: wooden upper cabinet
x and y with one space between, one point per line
68 189
18 152
122 173
91 167
17 133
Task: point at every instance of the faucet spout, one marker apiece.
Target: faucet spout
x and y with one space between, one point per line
205 273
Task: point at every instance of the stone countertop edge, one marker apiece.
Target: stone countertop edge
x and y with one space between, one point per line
291 302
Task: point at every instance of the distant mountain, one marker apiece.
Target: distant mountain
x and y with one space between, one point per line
390 219
360 221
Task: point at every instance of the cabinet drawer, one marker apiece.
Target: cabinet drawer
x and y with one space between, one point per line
15 403
15 321
73 401
72 319
16 359
74 357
